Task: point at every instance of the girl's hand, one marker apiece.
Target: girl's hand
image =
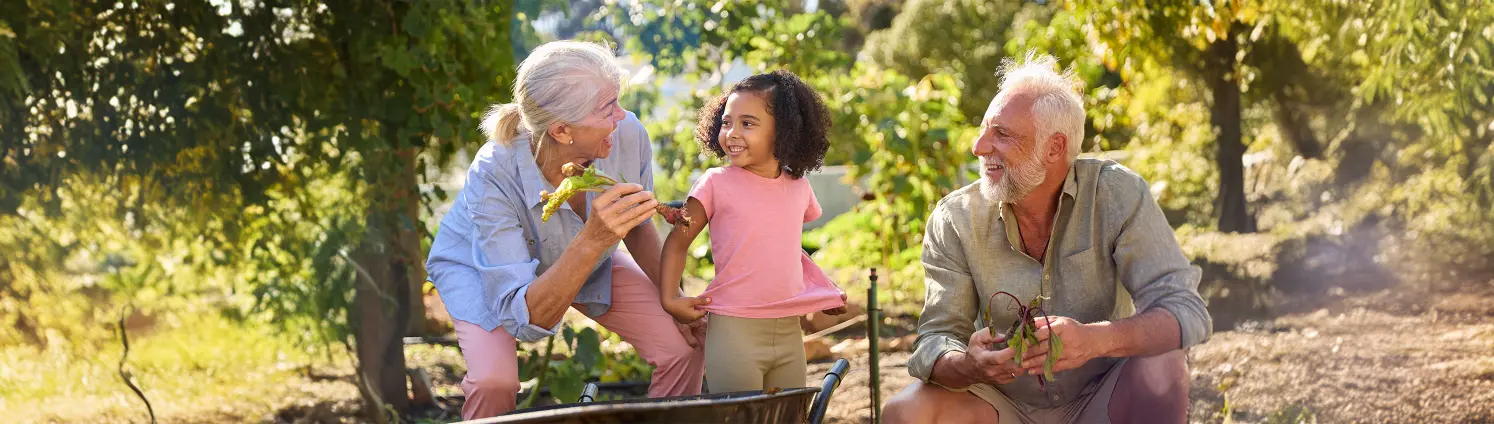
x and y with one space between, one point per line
838 309
686 310
617 211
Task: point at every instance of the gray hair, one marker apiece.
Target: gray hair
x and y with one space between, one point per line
1057 107
557 83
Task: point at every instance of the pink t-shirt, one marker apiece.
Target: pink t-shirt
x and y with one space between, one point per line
756 226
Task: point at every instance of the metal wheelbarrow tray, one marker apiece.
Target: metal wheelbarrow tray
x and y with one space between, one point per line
797 405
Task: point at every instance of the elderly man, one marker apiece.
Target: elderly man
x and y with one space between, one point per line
1084 233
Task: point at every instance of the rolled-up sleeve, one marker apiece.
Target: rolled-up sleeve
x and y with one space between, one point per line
1150 264
950 305
501 257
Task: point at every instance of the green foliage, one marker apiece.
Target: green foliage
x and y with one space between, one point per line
690 36
588 360
902 135
914 150
185 358
260 143
962 38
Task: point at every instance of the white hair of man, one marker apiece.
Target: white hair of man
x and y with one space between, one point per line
1057 106
559 82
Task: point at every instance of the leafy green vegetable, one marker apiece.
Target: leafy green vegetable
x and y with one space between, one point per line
589 179
1021 336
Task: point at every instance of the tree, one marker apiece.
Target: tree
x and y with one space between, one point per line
1396 92
1205 40
230 118
965 38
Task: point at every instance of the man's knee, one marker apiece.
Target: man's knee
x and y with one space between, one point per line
905 408
923 403
1165 374
1156 385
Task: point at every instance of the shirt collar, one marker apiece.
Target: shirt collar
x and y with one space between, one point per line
529 174
1070 189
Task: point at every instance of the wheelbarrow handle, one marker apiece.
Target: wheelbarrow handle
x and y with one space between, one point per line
588 393
827 388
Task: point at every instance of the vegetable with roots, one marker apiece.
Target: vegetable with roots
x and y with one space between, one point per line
1021 336
590 180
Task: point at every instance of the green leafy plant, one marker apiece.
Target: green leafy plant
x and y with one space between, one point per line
587 361
1021 336
591 180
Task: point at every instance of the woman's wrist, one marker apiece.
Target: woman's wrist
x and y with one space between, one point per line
590 245
598 238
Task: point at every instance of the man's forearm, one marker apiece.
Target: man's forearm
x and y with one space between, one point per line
953 370
1150 333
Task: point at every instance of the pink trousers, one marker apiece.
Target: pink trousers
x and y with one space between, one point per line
492 381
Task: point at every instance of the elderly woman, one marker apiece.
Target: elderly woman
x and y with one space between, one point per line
505 275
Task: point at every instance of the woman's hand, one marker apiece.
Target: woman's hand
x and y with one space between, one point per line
617 211
694 332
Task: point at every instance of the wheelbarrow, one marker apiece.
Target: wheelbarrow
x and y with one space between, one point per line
797 405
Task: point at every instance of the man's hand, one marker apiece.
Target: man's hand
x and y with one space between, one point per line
1081 343
686 310
978 363
992 366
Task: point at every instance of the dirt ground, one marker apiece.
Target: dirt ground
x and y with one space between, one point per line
1395 356
1400 355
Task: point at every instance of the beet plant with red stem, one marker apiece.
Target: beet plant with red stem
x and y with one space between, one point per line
1021 336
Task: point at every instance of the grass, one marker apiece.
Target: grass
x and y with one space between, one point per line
186 363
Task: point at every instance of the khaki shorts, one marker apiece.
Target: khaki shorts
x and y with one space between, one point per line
744 354
1092 407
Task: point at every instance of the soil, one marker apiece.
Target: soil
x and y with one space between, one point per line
1405 354
1392 356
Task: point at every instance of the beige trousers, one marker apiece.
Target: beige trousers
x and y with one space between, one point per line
1090 408
745 354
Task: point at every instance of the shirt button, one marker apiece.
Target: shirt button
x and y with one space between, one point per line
531 242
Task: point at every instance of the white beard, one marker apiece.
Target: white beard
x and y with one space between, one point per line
1017 180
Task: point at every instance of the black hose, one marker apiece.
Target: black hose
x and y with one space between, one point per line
827 389
125 375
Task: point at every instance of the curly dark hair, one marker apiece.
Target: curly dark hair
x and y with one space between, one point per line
800 118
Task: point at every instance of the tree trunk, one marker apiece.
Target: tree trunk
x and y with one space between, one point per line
1225 115
1479 139
391 272
409 234
382 307
1294 126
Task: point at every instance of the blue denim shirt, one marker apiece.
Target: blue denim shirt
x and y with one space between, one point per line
492 245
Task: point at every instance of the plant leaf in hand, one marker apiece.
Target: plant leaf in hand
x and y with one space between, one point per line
589 179
1022 334
577 180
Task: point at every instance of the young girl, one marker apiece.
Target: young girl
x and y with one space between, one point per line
772 128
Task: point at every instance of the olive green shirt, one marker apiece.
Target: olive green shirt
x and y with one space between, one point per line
1110 244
